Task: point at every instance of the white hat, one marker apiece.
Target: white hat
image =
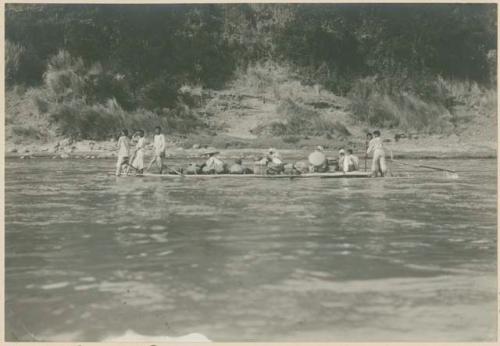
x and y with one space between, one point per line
271 150
342 151
320 148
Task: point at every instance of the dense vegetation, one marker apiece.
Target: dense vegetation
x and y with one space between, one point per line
112 64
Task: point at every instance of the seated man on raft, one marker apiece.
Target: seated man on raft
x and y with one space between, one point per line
274 162
213 165
270 163
351 162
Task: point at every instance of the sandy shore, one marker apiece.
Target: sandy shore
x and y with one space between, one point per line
423 148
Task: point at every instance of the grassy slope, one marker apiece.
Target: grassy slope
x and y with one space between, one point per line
24 122
261 95
242 116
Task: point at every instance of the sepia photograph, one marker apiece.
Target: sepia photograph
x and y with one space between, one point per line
250 172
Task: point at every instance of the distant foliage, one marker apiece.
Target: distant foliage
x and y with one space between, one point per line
80 102
65 77
387 58
433 111
13 55
204 44
22 66
291 139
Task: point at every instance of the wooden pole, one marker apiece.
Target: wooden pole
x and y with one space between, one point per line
366 155
423 166
177 172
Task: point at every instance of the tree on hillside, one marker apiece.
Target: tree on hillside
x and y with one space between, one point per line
158 48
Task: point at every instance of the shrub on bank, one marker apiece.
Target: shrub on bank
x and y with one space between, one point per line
78 120
22 65
429 106
79 102
299 119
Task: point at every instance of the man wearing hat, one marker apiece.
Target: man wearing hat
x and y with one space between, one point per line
274 157
213 165
274 162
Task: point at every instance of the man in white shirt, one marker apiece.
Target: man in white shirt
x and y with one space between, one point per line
378 162
123 151
158 148
340 160
351 162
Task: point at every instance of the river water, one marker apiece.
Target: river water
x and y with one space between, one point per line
90 256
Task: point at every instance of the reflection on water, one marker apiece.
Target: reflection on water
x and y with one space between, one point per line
90 256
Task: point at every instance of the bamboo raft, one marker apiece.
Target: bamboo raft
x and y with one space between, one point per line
260 176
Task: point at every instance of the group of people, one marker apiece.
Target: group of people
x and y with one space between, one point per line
136 160
270 163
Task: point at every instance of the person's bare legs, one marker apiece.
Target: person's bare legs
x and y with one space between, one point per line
375 167
159 161
129 163
382 165
153 160
119 164
122 161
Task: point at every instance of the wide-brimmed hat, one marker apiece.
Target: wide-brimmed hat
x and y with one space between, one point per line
341 151
317 158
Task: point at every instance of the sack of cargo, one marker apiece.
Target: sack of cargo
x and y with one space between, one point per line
302 166
193 169
289 169
220 167
259 168
236 169
274 168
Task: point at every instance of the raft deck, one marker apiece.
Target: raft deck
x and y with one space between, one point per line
261 176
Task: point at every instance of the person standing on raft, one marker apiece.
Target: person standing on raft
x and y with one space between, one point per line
369 137
138 161
340 160
123 151
159 149
378 162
